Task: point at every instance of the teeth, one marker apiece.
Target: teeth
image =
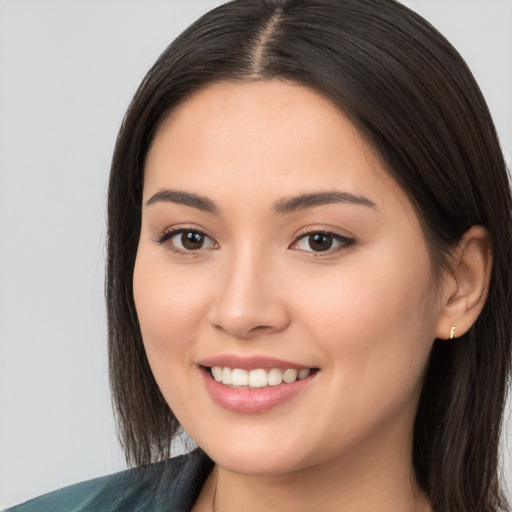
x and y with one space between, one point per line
290 375
227 376
217 373
260 378
240 377
304 373
257 378
274 377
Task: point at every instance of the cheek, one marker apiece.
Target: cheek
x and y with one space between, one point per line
170 304
375 322
366 298
171 308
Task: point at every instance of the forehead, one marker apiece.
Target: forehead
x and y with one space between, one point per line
264 137
260 109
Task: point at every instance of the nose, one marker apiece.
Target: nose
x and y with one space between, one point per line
251 299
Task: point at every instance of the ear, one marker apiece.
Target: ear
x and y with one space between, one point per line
466 285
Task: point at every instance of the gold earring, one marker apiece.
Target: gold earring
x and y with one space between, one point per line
452 332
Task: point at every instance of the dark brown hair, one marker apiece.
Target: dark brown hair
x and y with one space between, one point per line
413 98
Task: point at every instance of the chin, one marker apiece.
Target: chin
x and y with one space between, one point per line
252 462
251 455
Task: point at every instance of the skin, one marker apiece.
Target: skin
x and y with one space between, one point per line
364 313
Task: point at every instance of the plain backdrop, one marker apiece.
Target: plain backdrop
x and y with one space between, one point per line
68 69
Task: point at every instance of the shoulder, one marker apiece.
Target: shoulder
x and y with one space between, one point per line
171 485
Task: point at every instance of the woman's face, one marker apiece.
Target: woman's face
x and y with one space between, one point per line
274 240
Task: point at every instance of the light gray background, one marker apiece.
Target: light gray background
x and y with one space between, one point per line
68 69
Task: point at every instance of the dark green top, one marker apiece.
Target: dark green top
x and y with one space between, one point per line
170 486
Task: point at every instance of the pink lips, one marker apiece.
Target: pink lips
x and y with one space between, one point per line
243 400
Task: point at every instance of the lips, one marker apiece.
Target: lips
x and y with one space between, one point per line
256 384
250 363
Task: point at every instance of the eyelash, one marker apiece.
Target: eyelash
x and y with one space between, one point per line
343 241
168 235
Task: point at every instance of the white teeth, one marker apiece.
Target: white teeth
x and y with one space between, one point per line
227 376
290 375
217 373
303 373
275 377
259 378
240 377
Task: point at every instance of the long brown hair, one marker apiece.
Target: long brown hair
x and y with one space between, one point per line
412 96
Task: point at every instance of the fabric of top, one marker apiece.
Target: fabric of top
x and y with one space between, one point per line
171 486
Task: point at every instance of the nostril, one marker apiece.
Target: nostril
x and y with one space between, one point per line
243 330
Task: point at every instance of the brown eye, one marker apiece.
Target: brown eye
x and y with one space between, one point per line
320 242
186 240
192 240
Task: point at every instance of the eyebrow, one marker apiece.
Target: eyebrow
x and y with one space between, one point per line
187 198
283 206
305 201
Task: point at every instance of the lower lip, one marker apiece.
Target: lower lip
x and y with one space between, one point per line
254 400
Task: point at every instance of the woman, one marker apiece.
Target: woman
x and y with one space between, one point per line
309 266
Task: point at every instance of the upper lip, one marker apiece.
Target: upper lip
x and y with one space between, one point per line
250 363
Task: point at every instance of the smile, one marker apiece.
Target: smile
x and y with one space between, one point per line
257 378
257 389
